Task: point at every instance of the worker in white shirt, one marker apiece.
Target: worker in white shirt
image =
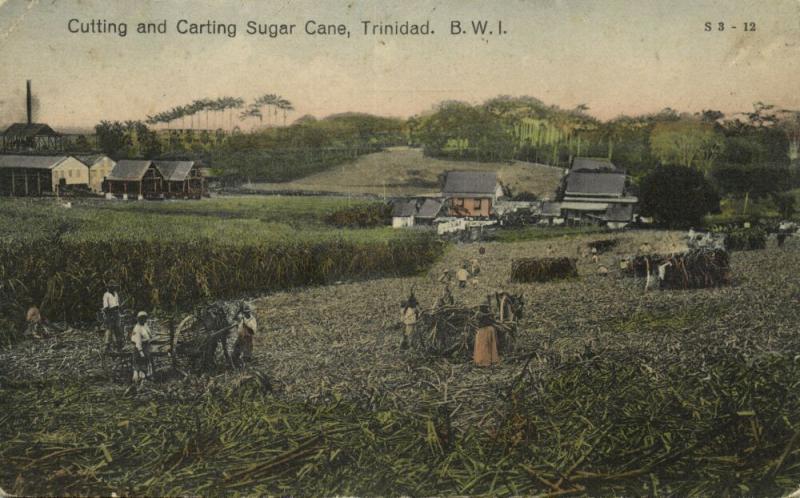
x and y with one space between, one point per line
462 275
140 337
111 314
243 347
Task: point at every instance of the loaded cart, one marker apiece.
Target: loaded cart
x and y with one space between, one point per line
199 342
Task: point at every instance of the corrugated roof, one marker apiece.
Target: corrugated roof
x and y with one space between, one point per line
30 162
129 170
89 160
404 208
593 164
174 171
595 183
619 212
30 130
470 182
430 208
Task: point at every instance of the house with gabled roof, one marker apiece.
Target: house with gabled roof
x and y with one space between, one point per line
471 193
595 189
22 175
134 177
182 179
100 167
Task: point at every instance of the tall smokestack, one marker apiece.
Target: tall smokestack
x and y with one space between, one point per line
29 103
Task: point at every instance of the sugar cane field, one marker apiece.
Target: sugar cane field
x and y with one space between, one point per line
609 390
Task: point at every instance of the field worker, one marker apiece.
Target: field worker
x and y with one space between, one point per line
408 315
113 323
485 352
602 271
243 347
462 275
644 248
474 268
33 319
444 278
549 250
594 255
140 337
446 299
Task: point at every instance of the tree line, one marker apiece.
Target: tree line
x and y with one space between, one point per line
750 156
270 154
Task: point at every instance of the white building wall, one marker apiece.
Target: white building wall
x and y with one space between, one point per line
72 171
98 171
402 221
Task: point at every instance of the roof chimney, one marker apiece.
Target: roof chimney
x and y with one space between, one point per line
29 103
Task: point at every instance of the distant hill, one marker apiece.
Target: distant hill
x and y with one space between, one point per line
402 171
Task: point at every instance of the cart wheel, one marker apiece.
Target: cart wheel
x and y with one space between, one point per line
187 331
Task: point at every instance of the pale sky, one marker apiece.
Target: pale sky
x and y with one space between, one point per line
616 56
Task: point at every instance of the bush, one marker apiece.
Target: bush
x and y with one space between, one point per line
369 215
744 239
677 196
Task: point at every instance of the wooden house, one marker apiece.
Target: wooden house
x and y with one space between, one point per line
40 175
182 179
471 193
597 194
100 167
140 178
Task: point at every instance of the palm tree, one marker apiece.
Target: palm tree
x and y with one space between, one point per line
232 103
267 100
253 111
285 106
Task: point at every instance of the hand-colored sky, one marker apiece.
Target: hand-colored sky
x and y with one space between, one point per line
616 56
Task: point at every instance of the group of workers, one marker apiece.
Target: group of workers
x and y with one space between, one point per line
141 336
468 272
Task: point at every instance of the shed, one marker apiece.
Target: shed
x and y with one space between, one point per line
39 175
428 211
403 213
100 167
182 178
135 177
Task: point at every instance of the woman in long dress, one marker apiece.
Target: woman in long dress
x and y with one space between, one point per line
485 352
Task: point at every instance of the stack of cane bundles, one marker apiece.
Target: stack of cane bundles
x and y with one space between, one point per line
542 269
695 269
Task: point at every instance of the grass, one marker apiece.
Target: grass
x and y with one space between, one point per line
402 171
172 255
229 221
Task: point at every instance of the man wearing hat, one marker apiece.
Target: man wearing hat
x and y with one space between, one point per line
111 316
140 337
243 347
